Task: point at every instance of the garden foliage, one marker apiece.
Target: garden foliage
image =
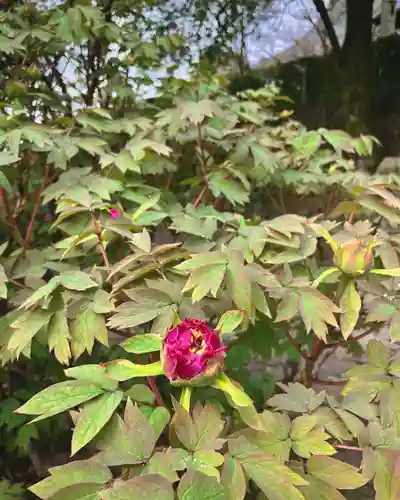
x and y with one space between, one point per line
126 217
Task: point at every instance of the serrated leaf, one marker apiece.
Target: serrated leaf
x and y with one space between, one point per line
144 487
132 443
93 418
142 343
58 339
233 479
350 306
60 397
317 311
197 486
335 473
5 183
86 327
41 293
378 354
158 420
26 327
141 394
229 321
76 280
81 472
92 373
238 282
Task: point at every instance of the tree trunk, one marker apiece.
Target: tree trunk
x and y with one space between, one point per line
356 63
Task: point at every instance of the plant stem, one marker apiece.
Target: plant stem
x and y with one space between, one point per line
345 342
295 344
36 208
9 216
345 447
153 386
199 198
97 230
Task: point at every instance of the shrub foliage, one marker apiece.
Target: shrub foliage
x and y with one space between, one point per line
123 216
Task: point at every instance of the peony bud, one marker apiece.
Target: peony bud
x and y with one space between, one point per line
192 353
353 257
114 212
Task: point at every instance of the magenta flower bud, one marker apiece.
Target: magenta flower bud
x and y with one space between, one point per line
192 352
114 212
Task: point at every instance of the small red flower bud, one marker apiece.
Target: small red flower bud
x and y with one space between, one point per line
115 213
192 350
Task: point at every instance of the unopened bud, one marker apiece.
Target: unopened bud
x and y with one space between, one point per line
353 257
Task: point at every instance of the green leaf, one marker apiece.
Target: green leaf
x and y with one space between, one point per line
4 183
130 442
41 293
93 417
197 486
381 311
274 479
122 370
6 158
387 272
76 280
92 373
86 327
141 393
158 420
60 397
142 343
316 311
301 426
200 432
350 305
83 472
58 339
144 487
318 490
335 473
233 479
229 321
238 282
378 354
26 327
325 274
205 280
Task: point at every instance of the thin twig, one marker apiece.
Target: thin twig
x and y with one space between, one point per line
295 344
346 342
36 208
97 230
345 447
199 198
153 386
328 382
9 215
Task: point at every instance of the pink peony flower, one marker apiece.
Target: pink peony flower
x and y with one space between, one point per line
115 213
192 350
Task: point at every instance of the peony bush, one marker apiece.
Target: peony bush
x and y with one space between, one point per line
150 260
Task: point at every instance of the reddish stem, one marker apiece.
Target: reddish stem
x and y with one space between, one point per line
328 382
36 208
345 447
9 216
199 198
295 344
153 386
97 230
